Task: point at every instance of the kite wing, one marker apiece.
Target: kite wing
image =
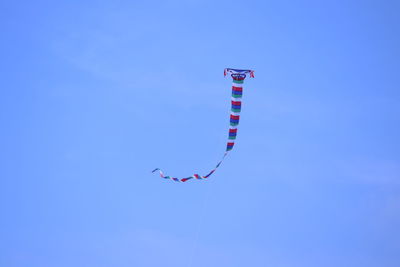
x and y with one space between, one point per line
238 77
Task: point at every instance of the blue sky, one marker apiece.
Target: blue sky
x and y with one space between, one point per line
96 94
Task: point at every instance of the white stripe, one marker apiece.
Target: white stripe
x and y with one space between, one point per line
233 127
235 113
237 85
236 99
228 70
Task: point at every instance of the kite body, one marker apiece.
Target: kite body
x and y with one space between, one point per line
238 77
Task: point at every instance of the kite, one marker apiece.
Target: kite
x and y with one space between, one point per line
238 77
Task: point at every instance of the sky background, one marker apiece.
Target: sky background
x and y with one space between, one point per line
96 94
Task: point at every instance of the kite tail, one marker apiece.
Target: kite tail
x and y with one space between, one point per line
238 77
194 176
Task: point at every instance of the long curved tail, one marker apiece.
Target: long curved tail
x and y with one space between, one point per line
238 77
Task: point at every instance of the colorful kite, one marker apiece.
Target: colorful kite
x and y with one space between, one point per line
238 77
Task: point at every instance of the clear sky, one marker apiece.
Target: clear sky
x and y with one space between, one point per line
96 94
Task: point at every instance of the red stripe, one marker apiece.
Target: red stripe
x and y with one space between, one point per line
233 130
236 103
230 144
235 117
237 88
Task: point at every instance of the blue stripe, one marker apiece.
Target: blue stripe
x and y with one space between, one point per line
234 121
211 172
232 134
236 106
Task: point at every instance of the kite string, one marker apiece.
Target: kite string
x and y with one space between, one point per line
200 223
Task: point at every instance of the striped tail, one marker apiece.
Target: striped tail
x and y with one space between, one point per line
238 77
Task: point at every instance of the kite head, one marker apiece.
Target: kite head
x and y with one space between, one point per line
239 74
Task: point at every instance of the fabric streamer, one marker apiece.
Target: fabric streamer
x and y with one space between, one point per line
238 77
